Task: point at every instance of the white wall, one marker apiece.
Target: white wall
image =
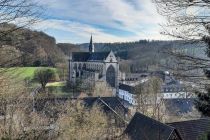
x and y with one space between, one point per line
125 95
171 95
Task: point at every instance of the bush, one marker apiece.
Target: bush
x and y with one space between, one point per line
43 76
37 63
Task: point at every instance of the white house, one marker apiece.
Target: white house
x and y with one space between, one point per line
168 91
173 90
126 92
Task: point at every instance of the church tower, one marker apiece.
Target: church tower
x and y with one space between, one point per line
91 45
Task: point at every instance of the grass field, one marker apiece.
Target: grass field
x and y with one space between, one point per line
20 73
59 89
56 84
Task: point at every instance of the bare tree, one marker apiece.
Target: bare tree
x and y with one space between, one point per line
43 76
22 13
82 123
102 89
186 19
14 15
149 100
190 20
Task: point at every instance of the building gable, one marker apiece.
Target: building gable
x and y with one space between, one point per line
192 129
111 58
142 127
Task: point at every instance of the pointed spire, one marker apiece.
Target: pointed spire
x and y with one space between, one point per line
91 45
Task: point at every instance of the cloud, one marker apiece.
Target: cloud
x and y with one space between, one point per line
108 20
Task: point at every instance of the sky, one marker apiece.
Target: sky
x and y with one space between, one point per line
73 21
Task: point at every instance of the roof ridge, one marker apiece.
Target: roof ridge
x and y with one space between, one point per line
207 118
120 102
112 109
155 120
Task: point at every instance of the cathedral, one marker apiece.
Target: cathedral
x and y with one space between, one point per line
94 66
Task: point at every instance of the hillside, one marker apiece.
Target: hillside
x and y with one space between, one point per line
25 47
21 73
67 48
147 55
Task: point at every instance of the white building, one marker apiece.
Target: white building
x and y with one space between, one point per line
90 67
169 91
173 90
126 92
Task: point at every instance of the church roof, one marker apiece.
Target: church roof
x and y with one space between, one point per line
86 56
98 56
89 56
80 56
91 45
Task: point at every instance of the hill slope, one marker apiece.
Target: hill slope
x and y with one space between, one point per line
68 48
147 55
25 47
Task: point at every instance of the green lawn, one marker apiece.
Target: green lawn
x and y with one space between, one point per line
56 84
59 89
20 73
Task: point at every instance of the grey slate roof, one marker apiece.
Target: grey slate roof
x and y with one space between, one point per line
87 56
128 88
142 127
98 56
80 56
173 86
193 129
179 106
108 104
112 102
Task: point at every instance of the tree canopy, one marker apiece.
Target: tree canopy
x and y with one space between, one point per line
43 76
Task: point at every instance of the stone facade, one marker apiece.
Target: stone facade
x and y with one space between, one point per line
94 66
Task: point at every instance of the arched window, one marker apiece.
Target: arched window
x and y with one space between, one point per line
111 76
75 66
84 66
80 66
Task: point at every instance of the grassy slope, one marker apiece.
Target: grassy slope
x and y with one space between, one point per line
56 84
59 89
20 73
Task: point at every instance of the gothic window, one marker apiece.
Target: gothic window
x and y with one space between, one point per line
77 74
111 58
84 67
75 66
110 76
80 66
